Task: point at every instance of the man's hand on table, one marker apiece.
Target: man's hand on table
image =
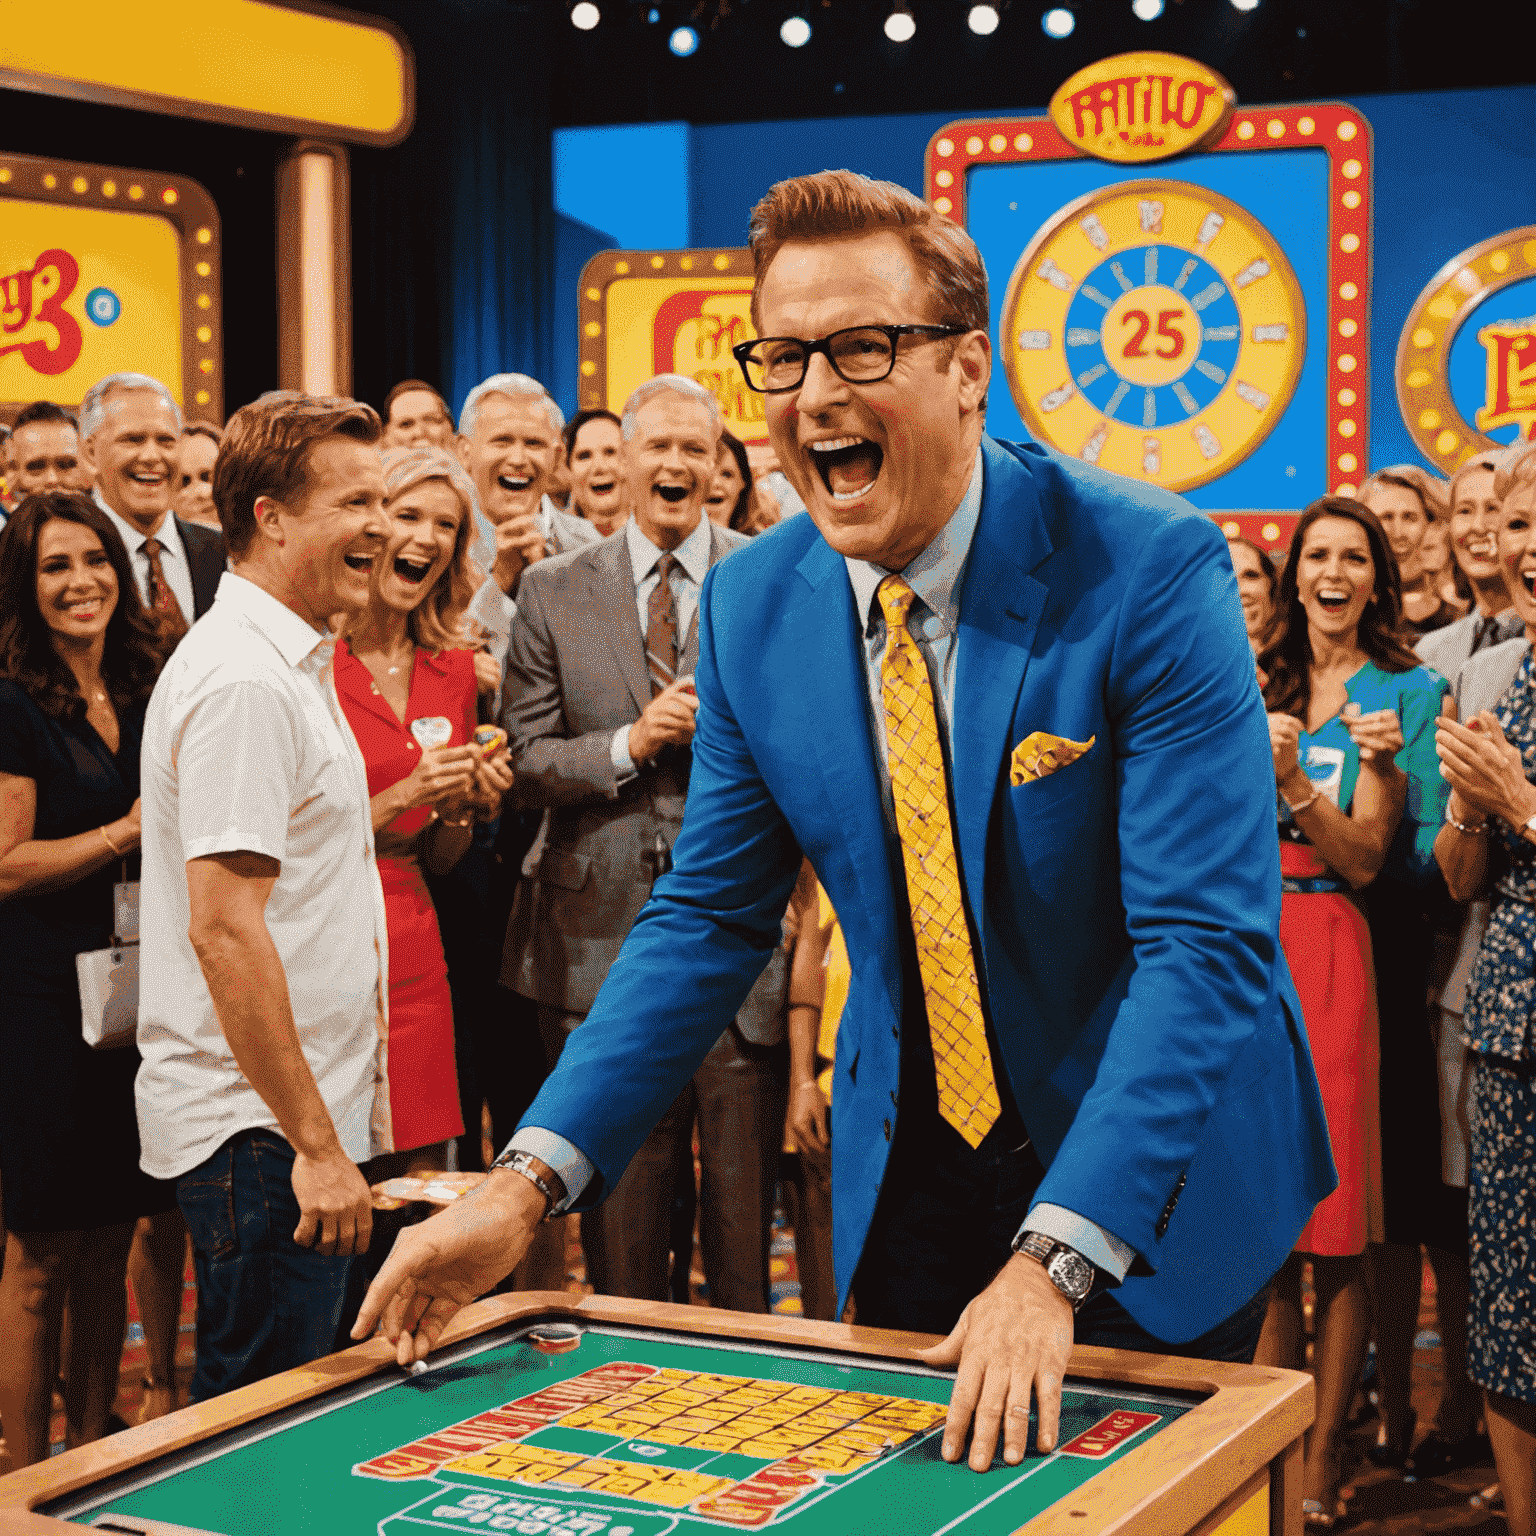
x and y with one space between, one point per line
448 1260
1013 1339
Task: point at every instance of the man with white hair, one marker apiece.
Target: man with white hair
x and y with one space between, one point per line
130 440
600 711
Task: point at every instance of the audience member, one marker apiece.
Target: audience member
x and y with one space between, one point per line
416 416
729 502
1256 583
262 1007
45 446
1442 573
1486 846
600 711
193 500
1473 529
78 658
593 446
407 686
1407 500
1346 697
130 438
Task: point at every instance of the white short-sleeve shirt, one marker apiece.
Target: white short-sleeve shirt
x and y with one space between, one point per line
246 749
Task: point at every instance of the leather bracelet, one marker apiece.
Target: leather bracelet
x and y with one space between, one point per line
1306 805
468 821
110 844
522 1162
1466 828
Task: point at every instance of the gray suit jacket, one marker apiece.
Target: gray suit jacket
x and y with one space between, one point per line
1448 650
576 672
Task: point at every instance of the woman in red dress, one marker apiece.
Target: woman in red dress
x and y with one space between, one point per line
407 684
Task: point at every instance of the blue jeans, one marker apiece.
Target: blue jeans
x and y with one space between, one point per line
264 1304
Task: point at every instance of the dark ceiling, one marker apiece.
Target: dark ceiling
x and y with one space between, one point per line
1281 50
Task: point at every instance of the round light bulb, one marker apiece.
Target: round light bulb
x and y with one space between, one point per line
1058 23
900 27
683 42
1245 5
795 33
1147 10
585 16
983 20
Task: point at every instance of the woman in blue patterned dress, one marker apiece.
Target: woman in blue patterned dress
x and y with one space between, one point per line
1352 719
1490 840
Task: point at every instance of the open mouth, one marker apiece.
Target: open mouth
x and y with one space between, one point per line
848 466
603 487
673 493
1332 602
363 563
1480 551
513 483
411 570
1528 580
147 479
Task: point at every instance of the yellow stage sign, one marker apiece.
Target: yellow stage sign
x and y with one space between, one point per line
281 67
649 312
1137 107
104 270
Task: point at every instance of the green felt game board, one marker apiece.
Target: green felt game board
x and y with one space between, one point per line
633 1433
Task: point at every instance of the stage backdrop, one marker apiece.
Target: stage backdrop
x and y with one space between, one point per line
1448 171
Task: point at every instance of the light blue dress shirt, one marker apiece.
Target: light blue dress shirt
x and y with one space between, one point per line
687 581
937 578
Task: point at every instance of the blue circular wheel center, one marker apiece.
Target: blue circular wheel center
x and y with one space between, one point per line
103 306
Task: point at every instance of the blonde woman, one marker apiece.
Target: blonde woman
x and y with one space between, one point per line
407 685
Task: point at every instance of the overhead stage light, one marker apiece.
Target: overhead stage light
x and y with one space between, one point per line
795 33
1245 5
900 26
1058 23
983 20
683 42
1147 10
585 16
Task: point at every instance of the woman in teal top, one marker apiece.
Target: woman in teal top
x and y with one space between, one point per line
1352 730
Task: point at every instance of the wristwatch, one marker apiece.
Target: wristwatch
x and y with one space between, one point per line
522 1162
1068 1270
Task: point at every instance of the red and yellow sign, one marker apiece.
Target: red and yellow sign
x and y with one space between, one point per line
649 312
1138 107
1488 291
105 270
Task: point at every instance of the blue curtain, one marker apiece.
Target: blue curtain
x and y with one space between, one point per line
453 231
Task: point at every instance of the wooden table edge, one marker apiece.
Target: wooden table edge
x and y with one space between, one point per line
1219 1464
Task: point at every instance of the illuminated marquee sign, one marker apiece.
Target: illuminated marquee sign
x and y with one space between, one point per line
1466 360
1138 107
647 312
106 270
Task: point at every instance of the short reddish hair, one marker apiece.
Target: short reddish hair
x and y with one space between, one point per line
266 451
843 204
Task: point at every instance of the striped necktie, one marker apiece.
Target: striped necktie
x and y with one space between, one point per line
661 628
962 1059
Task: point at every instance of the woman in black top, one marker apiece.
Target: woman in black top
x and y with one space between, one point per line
78 658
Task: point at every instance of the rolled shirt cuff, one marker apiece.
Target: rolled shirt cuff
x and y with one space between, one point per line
569 1162
1102 1249
618 755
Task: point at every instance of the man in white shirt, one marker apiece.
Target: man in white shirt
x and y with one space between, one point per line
130 441
262 1011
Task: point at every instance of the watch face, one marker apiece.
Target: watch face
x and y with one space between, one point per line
1071 1274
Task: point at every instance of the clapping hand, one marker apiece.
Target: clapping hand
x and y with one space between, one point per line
1378 735
1484 769
1284 745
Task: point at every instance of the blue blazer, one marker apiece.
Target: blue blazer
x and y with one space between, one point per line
1128 905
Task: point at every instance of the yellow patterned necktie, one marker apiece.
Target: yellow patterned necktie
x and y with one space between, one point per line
962 1059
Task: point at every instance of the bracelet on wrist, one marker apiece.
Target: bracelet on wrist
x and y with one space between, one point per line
815 1007
448 821
1305 805
118 852
522 1162
1466 828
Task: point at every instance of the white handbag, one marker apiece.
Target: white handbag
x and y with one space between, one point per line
109 978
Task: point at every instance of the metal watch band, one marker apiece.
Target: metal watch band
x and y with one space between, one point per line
522 1162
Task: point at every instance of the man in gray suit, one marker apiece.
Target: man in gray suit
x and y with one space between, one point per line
600 712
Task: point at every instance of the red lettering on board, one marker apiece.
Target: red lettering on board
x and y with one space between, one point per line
33 320
1110 1434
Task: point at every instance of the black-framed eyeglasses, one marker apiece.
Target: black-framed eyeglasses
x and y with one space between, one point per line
861 354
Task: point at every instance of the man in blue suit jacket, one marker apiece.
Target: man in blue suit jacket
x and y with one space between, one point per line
1160 1131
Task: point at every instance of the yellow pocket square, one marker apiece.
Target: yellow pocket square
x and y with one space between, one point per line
1041 754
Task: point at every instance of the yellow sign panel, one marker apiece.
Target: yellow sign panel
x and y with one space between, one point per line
1154 328
107 270
649 312
1138 107
86 293
260 65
